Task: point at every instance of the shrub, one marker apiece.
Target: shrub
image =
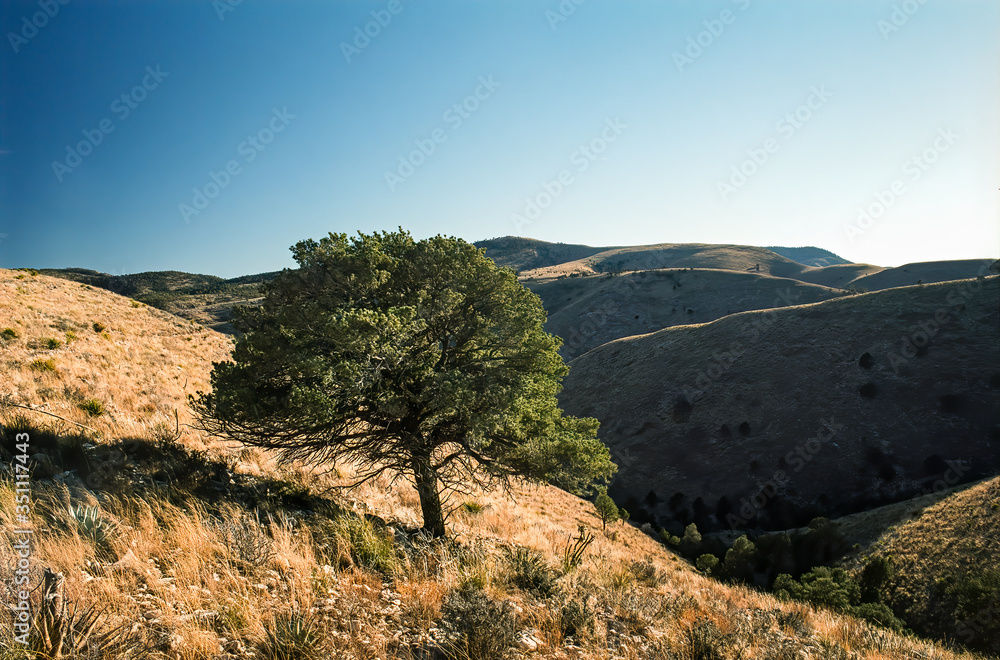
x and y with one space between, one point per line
488 628
707 564
874 576
868 390
70 336
51 343
250 549
879 614
93 407
9 334
370 547
292 636
706 641
528 571
645 572
44 365
99 327
576 618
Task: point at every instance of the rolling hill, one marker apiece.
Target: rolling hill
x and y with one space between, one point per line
808 410
592 310
923 273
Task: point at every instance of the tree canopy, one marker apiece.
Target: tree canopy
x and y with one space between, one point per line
419 358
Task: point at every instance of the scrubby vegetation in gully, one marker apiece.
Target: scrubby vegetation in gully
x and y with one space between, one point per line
236 528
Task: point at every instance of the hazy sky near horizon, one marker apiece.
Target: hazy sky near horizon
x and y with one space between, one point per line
211 136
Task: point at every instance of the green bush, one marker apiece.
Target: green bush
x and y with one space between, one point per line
691 541
707 564
577 618
51 343
99 327
9 334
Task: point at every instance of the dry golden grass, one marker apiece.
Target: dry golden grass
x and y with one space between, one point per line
181 585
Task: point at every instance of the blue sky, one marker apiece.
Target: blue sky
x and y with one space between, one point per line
867 128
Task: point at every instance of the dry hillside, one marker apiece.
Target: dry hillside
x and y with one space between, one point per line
815 409
923 273
191 548
945 578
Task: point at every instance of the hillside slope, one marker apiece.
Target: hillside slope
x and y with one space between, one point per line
809 256
589 311
529 253
813 409
926 272
191 548
946 567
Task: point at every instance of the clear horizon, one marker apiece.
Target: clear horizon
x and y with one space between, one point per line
210 137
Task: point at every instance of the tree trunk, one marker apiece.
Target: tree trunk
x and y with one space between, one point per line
430 498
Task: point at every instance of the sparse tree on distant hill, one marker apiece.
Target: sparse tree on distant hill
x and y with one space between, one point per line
607 510
418 358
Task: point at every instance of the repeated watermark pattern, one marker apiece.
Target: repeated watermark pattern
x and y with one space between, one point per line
363 35
926 329
899 17
786 127
122 108
714 28
581 159
454 116
30 26
796 459
913 169
249 149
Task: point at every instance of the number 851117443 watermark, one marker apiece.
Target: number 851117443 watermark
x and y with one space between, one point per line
22 534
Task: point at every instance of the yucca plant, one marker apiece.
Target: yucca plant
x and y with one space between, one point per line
291 636
92 525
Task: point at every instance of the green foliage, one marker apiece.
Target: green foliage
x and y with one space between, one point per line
51 343
691 541
291 636
487 627
834 589
370 546
418 357
71 336
740 560
93 407
623 515
99 327
530 572
879 614
975 594
9 334
876 574
43 365
607 510
707 564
